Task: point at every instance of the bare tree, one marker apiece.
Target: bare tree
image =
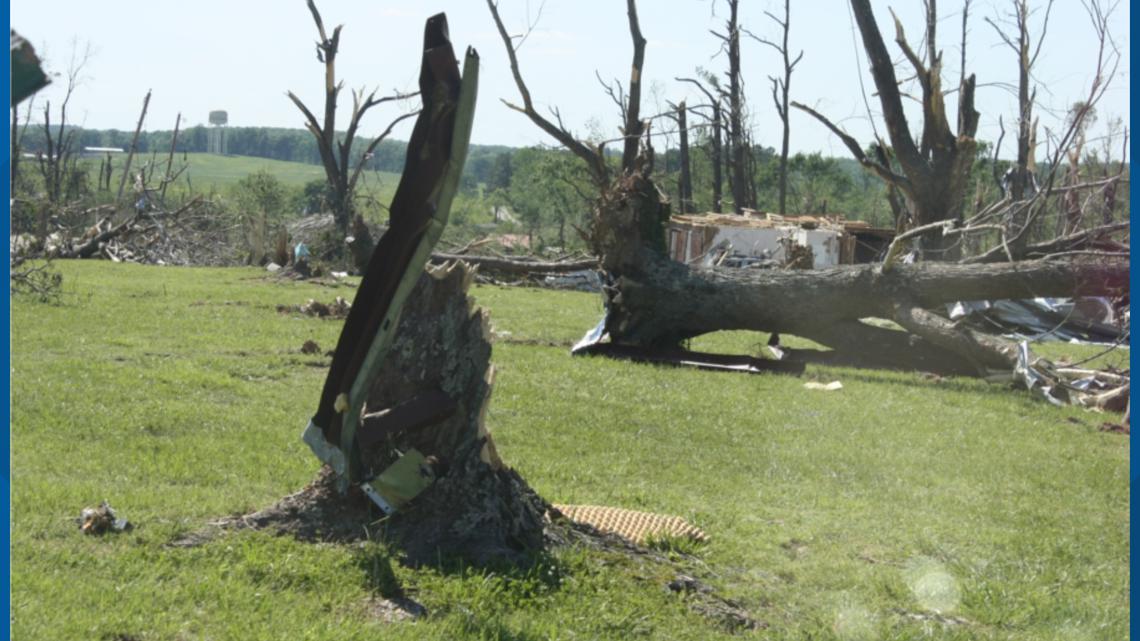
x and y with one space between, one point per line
716 123
935 170
592 154
739 148
1020 179
57 159
336 154
780 89
1058 185
654 302
685 180
134 147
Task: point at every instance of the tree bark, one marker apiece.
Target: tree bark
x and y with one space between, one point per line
740 180
686 179
480 509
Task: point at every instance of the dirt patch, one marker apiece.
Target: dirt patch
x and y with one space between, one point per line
318 513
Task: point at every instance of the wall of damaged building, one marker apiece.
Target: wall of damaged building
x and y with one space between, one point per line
766 237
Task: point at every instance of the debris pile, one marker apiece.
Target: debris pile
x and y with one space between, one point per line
1101 390
187 235
1080 320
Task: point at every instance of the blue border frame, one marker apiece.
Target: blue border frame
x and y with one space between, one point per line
7 354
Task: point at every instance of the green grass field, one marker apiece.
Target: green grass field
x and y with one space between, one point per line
897 508
213 172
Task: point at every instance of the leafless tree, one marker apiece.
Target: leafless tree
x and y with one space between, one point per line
780 89
56 160
715 121
1058 183
737 137
132 150
935 170
341 171
1020 179
685 180
655 302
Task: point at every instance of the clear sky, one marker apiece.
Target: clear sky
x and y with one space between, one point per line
242 55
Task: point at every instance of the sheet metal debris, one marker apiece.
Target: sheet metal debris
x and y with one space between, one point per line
403 481
593 343
1092 389
1084 320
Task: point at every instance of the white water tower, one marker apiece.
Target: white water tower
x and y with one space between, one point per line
216 141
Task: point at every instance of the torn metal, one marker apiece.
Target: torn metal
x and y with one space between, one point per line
593 343
1092 389
1093 320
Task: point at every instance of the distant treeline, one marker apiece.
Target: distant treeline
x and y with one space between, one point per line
292 145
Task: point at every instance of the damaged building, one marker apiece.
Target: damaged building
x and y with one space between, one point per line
758 239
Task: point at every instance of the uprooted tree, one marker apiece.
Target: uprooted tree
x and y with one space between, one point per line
653 301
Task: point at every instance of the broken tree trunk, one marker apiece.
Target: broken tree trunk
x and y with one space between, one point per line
480 509
432 395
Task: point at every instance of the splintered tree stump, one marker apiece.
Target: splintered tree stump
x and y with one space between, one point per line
480 509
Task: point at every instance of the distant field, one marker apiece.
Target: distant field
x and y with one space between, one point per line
215 172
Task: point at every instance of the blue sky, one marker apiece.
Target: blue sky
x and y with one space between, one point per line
243 55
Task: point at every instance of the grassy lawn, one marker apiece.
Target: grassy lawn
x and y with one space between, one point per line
897 508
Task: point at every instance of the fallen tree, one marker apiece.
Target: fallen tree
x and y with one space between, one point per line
517 265
653 301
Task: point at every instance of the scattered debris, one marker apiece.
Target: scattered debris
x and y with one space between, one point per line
825 387
685 358
1092 389
586 280
310 347
592 344
1081 320
339 308
102 519
633 525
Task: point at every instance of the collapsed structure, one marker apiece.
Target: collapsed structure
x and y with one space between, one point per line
757 239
